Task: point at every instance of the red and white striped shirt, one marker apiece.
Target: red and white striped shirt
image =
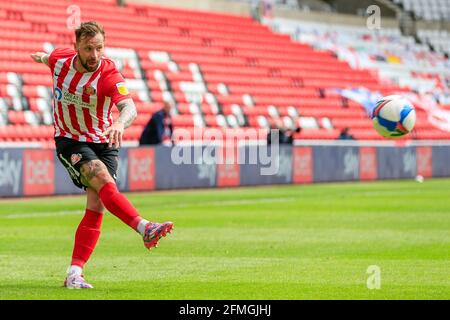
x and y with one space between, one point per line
82 102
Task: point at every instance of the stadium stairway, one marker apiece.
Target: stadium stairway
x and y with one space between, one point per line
217 70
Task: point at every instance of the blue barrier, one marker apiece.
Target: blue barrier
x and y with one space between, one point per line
38 172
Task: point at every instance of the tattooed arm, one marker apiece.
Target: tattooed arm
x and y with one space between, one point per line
127 112
127 115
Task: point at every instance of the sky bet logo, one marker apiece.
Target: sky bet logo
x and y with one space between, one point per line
38 172
58 94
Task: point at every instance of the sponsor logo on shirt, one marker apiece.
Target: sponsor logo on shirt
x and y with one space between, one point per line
58 94
68 98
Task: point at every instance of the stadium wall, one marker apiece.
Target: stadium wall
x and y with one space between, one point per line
37 172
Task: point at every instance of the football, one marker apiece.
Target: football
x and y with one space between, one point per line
393 116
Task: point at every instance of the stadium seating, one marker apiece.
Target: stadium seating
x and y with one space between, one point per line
217 70
427 9
396 60
438 39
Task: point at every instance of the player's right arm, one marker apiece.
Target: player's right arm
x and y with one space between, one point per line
40 57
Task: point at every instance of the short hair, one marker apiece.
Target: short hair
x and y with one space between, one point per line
88 29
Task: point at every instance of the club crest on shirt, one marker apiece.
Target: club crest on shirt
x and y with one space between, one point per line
90 90
75 158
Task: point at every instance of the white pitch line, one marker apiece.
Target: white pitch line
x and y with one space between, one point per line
41 214
181 205
232 202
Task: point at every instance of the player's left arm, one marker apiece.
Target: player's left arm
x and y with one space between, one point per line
40 57
126 117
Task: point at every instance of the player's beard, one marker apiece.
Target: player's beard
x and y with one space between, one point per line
86 66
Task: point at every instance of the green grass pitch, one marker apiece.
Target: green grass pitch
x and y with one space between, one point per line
280 242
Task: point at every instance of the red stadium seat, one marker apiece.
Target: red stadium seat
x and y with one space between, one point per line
231 51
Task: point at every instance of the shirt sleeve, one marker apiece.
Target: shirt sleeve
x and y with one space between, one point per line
117 88
57 54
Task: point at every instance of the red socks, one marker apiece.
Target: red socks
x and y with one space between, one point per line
118 205
86 237
88 230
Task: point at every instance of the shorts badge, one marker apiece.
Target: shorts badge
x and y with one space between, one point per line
75 158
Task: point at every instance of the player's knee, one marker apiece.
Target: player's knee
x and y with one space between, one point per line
96 207
93 201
